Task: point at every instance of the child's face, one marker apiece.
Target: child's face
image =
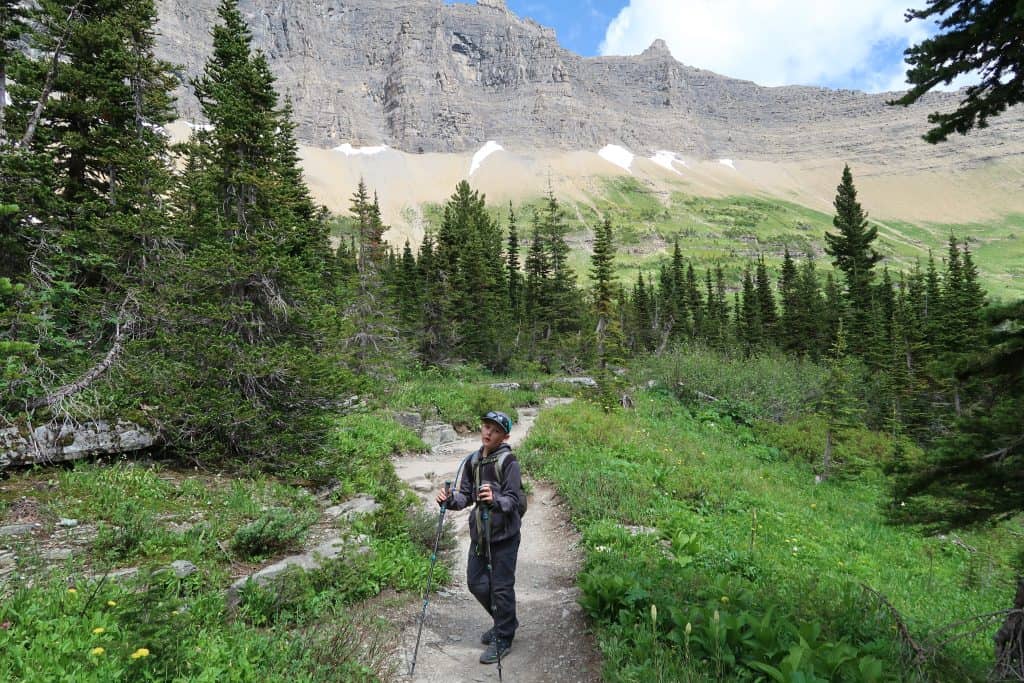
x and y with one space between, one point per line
491 435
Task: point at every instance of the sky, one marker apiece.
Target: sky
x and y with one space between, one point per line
831 43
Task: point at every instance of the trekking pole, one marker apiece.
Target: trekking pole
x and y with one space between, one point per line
486 519
430 572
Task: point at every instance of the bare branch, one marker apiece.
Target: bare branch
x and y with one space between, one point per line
58 51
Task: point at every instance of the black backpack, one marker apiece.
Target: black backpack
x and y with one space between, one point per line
499 466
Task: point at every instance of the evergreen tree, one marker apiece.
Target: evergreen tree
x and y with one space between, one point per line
245 304
643 332
838 405
749 326
515 276
767 313
852 253
694 303
794 311
812 319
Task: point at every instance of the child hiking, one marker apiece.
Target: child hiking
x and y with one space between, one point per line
491 479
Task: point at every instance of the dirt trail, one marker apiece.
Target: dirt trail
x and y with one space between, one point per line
551 644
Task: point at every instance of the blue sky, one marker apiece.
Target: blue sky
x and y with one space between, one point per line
831 43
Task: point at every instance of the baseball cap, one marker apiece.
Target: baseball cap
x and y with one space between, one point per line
500 419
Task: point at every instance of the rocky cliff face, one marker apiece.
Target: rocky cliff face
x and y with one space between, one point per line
422 76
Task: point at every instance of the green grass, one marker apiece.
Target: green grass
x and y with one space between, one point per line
306 629
700 482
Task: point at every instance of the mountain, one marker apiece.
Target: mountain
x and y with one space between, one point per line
422 76
415 95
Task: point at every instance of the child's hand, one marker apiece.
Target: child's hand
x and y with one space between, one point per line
485 495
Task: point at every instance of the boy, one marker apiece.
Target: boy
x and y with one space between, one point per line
479 483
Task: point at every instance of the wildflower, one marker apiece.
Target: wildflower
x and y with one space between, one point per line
716 617
96 651
72 590
5 626
725 599
140 653
99 631
689 628
111 603
814 506
654 614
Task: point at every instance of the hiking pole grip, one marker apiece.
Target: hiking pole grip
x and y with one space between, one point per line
447 493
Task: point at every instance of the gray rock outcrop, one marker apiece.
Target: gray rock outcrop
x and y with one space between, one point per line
421 75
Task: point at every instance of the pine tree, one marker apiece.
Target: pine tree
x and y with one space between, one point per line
694 303
794 311
514 274
838 405
749 326
247 302
767 313
814 321
852 253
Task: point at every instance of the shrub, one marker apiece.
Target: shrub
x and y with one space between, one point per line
276 530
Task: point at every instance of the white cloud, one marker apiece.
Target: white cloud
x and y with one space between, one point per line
776 42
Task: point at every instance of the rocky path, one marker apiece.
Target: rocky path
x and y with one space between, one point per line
551 644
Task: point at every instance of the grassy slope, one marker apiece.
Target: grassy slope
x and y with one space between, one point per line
665 467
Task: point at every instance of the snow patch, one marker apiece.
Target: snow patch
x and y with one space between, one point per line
199 126
727 162
349 151
665 159
620 156
489 148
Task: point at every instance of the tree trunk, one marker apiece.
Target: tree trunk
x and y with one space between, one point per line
826 461
3 102
1009 640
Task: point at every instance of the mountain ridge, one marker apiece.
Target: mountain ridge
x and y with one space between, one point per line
422 76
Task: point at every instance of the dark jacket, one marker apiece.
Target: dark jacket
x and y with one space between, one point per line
505 521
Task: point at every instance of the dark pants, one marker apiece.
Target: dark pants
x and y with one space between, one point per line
503 563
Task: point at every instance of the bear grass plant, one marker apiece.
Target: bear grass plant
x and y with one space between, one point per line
711 555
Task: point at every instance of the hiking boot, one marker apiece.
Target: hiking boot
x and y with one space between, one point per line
487 637
497 646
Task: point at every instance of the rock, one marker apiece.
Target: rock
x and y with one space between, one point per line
360 505
505 386
423 486
183 568
56 554
413 421
438 433
18 529
67 523
313 558
588 382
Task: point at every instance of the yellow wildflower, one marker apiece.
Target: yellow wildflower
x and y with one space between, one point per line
96 651
98 631
72 590
140 653
111 603
725 599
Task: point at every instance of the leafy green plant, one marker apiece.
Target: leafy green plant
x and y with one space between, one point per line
275 530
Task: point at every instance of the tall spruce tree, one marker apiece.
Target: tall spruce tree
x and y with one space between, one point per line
84 158
514 272
852 253
249 347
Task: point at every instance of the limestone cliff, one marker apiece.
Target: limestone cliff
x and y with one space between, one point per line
423 76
